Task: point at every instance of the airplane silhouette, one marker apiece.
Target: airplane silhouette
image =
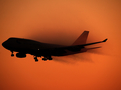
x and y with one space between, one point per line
38 49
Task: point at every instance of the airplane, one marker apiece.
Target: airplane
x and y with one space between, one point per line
37 49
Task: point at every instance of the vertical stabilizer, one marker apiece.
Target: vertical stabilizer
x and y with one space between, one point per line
82 38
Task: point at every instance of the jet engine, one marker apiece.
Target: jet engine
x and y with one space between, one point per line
20 55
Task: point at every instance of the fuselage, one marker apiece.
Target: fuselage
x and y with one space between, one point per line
35 48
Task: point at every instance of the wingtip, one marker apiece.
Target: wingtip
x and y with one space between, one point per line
105 40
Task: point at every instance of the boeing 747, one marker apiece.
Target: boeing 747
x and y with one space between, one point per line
38 49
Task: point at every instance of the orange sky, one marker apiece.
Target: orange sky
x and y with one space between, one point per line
61 22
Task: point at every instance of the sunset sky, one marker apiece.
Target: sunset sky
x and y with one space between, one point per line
61 22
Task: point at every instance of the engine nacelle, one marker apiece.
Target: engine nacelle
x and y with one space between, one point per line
20 55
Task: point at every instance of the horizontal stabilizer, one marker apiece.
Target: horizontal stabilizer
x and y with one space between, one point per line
92 48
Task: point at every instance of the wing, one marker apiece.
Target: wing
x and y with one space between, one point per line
78 47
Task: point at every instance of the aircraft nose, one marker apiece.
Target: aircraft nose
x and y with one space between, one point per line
3 44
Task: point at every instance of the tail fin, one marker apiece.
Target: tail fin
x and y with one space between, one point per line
81 39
